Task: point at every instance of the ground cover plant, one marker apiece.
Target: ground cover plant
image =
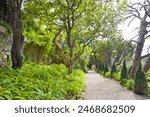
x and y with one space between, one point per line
40 82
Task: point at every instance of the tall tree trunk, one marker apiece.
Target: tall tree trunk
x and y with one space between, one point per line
140 44
15 11
147 65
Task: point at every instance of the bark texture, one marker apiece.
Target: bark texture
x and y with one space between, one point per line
15 11
140 44
147 65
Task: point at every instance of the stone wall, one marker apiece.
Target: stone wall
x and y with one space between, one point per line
5 46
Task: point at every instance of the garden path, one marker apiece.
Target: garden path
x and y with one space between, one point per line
99 88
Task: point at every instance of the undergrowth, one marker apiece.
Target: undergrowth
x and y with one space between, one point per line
40 82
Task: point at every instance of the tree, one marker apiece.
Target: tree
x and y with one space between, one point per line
74 24
124 72
147 65
15 12
140 86
113 50
135 12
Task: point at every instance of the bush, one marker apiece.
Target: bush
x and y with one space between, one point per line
148 79
128 83
107 74
116 76
93 67
101 72
40 82
113 70
140 86
124 72
77 84
106 69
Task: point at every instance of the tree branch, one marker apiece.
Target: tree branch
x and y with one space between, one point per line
145 56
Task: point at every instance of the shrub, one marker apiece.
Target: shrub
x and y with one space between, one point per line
41 82
107 74
102 66
116 76
101 72
106 69
128 83
93 67
140 86
75 88
148 79
113 70
124 72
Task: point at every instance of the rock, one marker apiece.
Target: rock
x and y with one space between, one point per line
5 46
3 30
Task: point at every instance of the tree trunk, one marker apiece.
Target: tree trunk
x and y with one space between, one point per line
147 65
70 69
139 48
15 10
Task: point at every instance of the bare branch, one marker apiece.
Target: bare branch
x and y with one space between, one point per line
134 37
148 2
145 56
131 21
147 37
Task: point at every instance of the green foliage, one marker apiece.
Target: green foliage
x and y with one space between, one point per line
107 74
148 79
113 70
128 83
124 72
40 82
116 76
148 76
106 51
101 72
140 86
106 69
77 84
78 21
102 67
93 67
84 60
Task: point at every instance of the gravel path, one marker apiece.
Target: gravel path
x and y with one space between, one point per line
99 88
